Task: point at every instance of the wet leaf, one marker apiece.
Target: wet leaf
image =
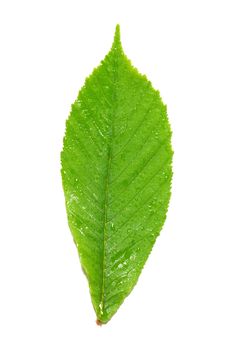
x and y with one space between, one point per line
116 173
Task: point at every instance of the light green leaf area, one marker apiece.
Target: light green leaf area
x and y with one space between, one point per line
116 173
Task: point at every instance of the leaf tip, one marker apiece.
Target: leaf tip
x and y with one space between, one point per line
117 32
117 42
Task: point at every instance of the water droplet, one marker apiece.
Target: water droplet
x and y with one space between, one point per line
72 198
150 207
101 308
95 196
112 226
133 256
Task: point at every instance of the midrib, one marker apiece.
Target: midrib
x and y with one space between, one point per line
107 183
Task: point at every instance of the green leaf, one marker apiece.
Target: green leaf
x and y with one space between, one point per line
116 173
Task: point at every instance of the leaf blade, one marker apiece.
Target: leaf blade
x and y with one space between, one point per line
116 172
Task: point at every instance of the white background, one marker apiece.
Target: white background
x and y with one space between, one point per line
47 50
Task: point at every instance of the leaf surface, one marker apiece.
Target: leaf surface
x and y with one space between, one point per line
116 174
